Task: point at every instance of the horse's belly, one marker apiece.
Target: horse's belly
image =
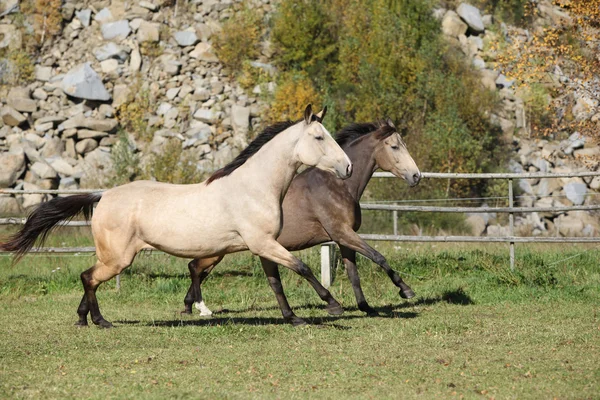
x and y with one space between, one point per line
201 246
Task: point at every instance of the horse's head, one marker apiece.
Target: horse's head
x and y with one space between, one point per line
316 147
392 155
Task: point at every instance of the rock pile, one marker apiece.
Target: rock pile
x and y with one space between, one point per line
467 29
57 132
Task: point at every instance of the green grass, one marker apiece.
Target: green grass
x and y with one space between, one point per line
474 330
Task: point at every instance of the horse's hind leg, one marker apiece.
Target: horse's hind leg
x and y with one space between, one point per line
91 279
275 252
199 270
272 272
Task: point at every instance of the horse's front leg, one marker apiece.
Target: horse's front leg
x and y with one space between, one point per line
199 268
351 240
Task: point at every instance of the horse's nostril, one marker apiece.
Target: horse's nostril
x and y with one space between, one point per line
349 170
417 177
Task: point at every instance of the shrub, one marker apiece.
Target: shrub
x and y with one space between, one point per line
47 18
172 165
239 40
294 92
17 68
126 162
133 113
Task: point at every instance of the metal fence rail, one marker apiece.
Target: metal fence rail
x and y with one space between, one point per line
327 249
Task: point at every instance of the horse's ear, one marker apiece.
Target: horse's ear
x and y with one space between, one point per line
308 113
322 114
390 123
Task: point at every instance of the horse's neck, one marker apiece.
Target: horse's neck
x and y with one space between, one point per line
274 166
363 165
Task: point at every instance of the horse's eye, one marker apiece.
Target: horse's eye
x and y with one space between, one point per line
319 137
395 147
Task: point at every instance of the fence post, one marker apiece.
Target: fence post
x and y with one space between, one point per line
118 284
395 217
511 224
326 260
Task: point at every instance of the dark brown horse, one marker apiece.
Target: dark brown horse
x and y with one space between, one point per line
320 207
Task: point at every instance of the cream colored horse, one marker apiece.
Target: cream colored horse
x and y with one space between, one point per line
238 208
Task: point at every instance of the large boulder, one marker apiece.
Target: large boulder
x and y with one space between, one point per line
471 16
84 83
12 166
452 25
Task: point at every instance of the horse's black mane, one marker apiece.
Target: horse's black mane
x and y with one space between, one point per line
264 137
354 131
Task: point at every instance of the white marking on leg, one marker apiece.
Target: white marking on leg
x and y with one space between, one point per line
204 311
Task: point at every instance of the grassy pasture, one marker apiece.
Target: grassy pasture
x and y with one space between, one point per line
475 330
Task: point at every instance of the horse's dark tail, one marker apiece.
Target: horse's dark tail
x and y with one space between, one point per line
45 217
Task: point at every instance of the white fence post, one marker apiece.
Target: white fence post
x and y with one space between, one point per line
326 261
511 224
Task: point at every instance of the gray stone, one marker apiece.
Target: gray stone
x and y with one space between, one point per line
12 166
478 63
135 61
62 167
43 127
575 192
118 30
587 153
11 117
30 200
204 52
200 133
595 183
477 224
109 66
110 50
525 186
9 206
148 5
103 15
172 93
204 115
54 147
8 6
40 94
585 108
240 119
85 146
498 231
84 83
43 170
547 186
569 225
90 134
185 38
84 17
22 105
452 25
148 32
488 20
79 121
42 73
68 184
471 16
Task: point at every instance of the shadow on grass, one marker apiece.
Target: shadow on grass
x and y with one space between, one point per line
325 322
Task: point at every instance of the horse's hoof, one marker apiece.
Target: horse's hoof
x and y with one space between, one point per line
407 293
103 324
296 321
335 309
370 312
81 324
186 312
